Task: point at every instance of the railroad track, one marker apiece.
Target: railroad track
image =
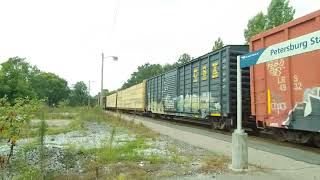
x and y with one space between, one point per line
300 152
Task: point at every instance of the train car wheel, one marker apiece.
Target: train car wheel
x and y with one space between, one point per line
279 135
316 140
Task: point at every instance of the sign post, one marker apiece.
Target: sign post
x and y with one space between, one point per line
239 137
302 44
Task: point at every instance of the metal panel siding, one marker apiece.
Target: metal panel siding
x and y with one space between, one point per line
205 87
181 89
170 91
204 95
111 101
195 87
155 94
132 98
187 84
216 83
293 83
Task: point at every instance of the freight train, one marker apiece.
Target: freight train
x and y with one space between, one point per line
281 97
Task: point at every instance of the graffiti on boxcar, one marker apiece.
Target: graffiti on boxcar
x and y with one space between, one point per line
278 107
204 101
180 103
157 107
187 101
195 103
278 103
183 103
306 110
215 105
276 68
297 85
311 95
169 102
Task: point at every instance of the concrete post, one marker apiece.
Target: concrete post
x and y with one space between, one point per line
239 151
239 137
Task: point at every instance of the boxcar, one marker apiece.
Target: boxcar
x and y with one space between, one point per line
132 98
111 101
285 94
203 90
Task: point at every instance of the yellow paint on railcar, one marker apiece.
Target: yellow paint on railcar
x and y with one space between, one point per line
112 100
215 114
132 98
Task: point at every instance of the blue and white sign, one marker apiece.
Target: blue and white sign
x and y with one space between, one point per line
306 43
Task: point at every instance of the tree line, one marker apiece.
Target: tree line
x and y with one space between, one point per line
148 70
18 78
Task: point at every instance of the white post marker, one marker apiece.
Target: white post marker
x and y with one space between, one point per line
239 137
239 96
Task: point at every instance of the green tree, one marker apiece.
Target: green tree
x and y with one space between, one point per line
279 12
217 44
51 87
14 117
167 67
255 26
79 94
184 58
143 72
149 70
105 92
20 79
15 77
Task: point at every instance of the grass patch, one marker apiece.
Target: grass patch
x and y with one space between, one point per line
58 112
79 115
131 151
214 163
123 161
30 131
98 115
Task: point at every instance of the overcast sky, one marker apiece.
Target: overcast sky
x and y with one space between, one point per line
66 37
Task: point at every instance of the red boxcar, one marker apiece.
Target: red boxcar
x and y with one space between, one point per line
285 93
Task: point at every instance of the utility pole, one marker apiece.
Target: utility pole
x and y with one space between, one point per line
89 97
114 58
101 92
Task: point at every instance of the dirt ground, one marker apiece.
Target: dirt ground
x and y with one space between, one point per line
53 122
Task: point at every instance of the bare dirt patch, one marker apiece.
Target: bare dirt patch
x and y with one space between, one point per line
52 122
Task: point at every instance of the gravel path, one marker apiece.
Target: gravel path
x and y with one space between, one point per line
274 166
52 122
